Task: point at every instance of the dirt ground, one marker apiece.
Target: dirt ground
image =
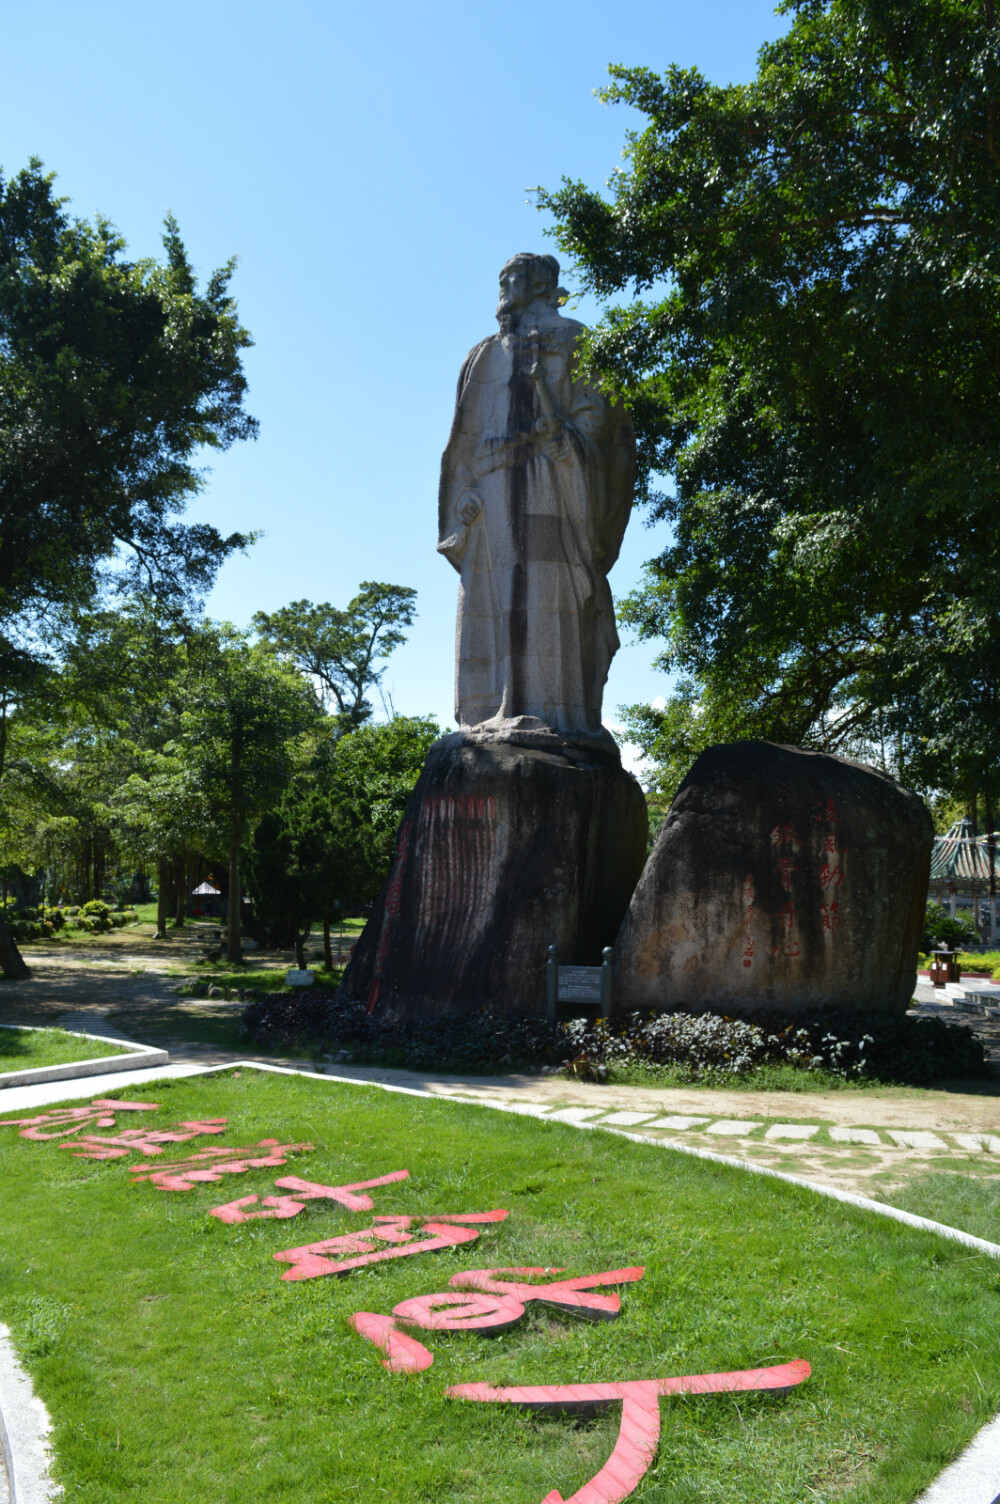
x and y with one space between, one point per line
127 982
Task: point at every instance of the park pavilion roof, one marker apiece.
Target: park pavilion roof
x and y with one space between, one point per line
961 856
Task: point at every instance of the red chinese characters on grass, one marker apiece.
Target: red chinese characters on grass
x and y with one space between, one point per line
353 1250
211 1164
140 1140
640 1423
305 1190
499 1306
68 1120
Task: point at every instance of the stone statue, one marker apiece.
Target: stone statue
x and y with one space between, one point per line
536 487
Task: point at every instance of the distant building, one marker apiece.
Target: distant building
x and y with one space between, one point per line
960 876
206 902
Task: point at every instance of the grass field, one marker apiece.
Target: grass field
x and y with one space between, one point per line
178 1366
29 1049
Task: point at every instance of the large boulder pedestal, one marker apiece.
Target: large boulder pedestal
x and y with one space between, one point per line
781 880
507 846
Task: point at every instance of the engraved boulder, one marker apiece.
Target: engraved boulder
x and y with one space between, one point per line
781 879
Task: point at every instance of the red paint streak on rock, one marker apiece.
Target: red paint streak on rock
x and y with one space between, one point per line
640 1423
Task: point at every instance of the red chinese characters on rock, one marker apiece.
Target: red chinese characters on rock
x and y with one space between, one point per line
140 1140
789 945
498 1305
640 1423
785 839
826 813
305 1190
210 1165
70 1120
831 872
748 902
356 1249
784 834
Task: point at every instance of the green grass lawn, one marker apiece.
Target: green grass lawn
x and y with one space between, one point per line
29 1049
968 1198
178 1366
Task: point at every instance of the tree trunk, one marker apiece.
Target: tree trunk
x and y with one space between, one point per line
234 949
180 895
162 891
327 948
85 865
11 960
301 936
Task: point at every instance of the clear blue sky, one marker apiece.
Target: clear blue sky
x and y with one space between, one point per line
368 165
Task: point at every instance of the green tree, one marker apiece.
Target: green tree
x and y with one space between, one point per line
339 649
811 351
329 840
162 815
375 770
114 374
244 713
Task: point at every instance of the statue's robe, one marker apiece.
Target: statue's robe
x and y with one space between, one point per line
536 628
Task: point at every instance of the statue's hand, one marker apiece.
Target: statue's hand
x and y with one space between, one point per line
552 432
470 510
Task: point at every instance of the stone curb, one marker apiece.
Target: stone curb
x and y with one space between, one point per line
24 1429
140 1056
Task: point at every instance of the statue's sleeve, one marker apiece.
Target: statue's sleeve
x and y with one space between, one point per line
457 474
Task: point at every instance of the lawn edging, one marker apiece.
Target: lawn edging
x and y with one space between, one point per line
137 1056
24 1428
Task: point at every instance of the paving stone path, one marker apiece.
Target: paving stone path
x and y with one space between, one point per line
868 1141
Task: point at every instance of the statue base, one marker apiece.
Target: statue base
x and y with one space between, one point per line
515 838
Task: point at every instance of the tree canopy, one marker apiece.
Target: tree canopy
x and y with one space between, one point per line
114 374
810 345
340 648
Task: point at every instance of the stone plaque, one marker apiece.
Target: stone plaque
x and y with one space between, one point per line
580 984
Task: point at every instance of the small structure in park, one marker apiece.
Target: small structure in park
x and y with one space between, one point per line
961 862
206 902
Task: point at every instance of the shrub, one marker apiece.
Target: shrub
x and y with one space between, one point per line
24 929
56 917
941 929
83 922
73 910
99 912
862 1046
